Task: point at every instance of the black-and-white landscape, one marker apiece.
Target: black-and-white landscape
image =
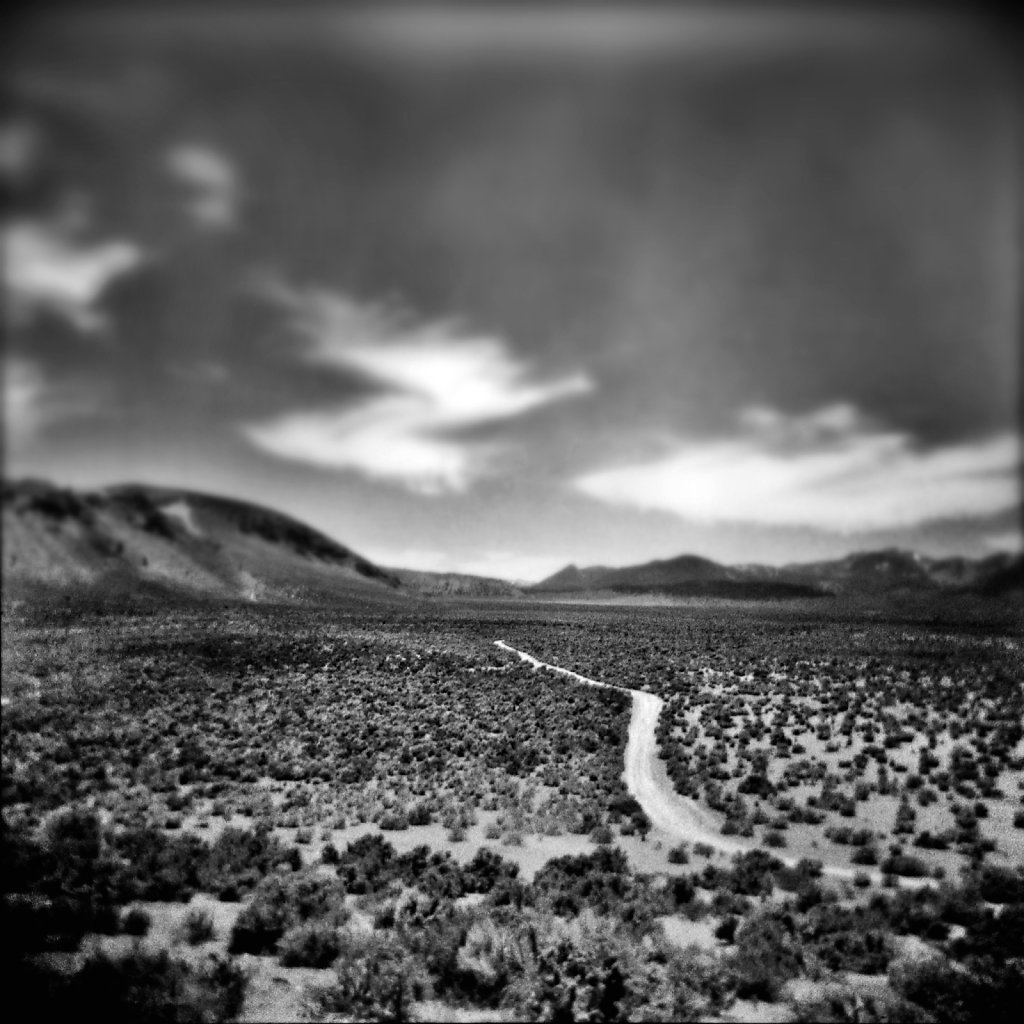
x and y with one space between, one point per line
512 513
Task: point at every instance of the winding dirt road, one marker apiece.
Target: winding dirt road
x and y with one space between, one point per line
646 778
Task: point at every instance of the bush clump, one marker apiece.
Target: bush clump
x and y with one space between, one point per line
136 921
282 902
376 978
312 944
197 927
767 954
139 986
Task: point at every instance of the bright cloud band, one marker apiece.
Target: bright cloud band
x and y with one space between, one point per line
826 470
435 384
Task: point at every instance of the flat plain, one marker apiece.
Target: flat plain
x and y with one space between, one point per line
372 811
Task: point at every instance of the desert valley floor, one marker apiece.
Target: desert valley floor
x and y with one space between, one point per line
376 811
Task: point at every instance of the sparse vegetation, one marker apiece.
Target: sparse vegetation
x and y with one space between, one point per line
209 752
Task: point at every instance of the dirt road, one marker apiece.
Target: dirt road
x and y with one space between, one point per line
645 777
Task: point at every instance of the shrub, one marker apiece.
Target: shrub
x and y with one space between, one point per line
146 986
845 939
420 815
197 927
600 880
239 858
679 854
161 867
366 862
926 840
490 958
375 979
699 986
573 983
486 870
313 944
61 887
282 902
593 969
766 956
847 1006
260 925
944 991
752 873
905 864
1001 885
681 890
136 921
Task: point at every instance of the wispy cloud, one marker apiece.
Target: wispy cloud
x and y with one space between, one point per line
1005 540
830 469
47 267
510 565
435 382
32 402
214 189
23 406
20 144
494 563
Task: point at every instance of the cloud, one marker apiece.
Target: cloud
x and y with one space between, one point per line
496 32
32 402
435 382
23 408
20 146
212 183
46 268
510 565
830 469
497 564
1011 541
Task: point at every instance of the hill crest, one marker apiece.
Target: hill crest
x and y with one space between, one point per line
137 538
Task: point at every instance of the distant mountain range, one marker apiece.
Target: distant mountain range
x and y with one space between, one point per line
866 573
171 542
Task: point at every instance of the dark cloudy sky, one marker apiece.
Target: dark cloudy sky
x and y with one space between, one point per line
496 291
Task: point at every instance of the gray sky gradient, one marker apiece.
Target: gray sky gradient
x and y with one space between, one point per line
501 290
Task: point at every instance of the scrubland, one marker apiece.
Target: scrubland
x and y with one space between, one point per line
836 739
240 812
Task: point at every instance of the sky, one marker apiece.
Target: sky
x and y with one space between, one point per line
500 288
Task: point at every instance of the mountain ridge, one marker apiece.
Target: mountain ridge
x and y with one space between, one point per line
129 538
883 571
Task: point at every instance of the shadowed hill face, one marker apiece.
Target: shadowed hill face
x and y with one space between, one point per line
455 584
133 538
658 574
573 578
685 568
